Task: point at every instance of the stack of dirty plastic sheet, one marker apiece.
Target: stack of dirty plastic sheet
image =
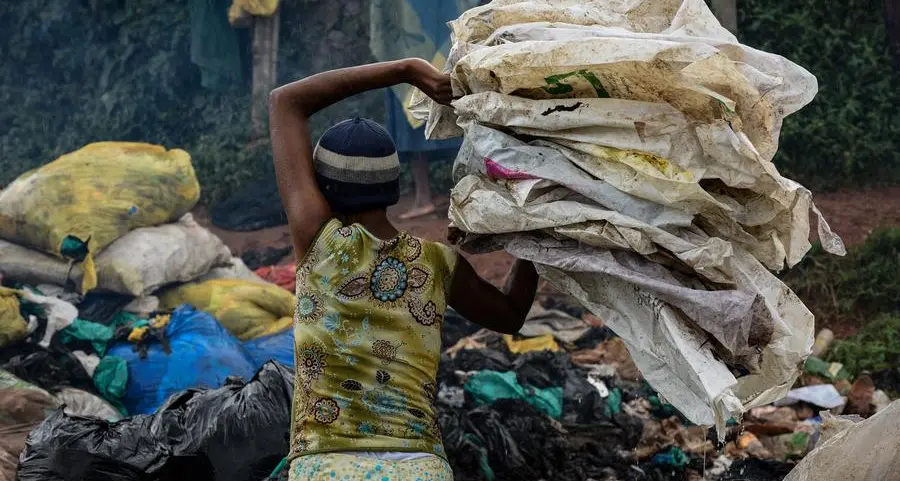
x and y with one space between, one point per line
626 148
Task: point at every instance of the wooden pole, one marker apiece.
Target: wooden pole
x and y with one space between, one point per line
892 23
726 12
265 71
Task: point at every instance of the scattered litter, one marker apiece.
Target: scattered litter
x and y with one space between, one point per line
522 346
822 343
822 395
452 396
85 404
880 400
282 276
267 256
560 325
861 396
864 451
487 387
833 371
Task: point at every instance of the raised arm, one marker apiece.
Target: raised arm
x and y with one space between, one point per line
482 303
290 108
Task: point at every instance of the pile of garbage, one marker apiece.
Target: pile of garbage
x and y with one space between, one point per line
141 349
114 300
626 149
564 400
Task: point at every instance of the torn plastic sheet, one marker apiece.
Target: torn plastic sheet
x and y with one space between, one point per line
681 360
769 218
865 451
625 147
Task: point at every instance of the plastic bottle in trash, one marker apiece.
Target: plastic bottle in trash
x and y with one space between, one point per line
823 340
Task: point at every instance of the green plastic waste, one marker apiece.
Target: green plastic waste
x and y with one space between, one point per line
483 460
97 334
614 402
486 387
832 371
111 381
674 457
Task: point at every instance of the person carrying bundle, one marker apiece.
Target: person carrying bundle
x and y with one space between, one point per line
370 299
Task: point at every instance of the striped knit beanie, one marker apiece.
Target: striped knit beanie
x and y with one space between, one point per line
357 167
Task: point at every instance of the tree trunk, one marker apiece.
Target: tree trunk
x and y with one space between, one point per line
892 23
726 12
265 71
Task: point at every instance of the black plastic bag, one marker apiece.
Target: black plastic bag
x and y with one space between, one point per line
515 441
757 470
257 207
241 430
49 369
70 448
238 432
456 327
102 307
267 256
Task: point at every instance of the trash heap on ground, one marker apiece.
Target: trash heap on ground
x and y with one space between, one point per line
173 360
114 299
626 149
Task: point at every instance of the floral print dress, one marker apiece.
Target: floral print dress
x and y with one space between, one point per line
367 332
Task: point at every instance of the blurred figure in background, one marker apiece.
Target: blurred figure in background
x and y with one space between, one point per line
415 28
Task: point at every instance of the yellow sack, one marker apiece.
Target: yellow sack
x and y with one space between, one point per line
78 204
543 343
241 10
13 327
249 309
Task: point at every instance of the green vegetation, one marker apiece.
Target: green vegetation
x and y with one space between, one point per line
860 290
874 348
849 135
78 71
855 288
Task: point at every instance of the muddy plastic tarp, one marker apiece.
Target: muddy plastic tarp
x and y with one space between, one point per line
238 432
596 127
866 451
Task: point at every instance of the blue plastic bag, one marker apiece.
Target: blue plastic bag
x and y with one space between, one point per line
203 354
278 347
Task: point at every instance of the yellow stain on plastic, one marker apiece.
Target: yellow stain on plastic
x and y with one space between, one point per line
248 309
99 192
138 334
89 280
643 162
542 343
13 327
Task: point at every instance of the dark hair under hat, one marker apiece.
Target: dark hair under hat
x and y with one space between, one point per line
357 167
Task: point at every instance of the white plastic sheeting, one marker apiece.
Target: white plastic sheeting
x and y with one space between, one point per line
865 451
625 147
136 264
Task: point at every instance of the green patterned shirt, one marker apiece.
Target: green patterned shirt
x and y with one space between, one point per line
367 336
